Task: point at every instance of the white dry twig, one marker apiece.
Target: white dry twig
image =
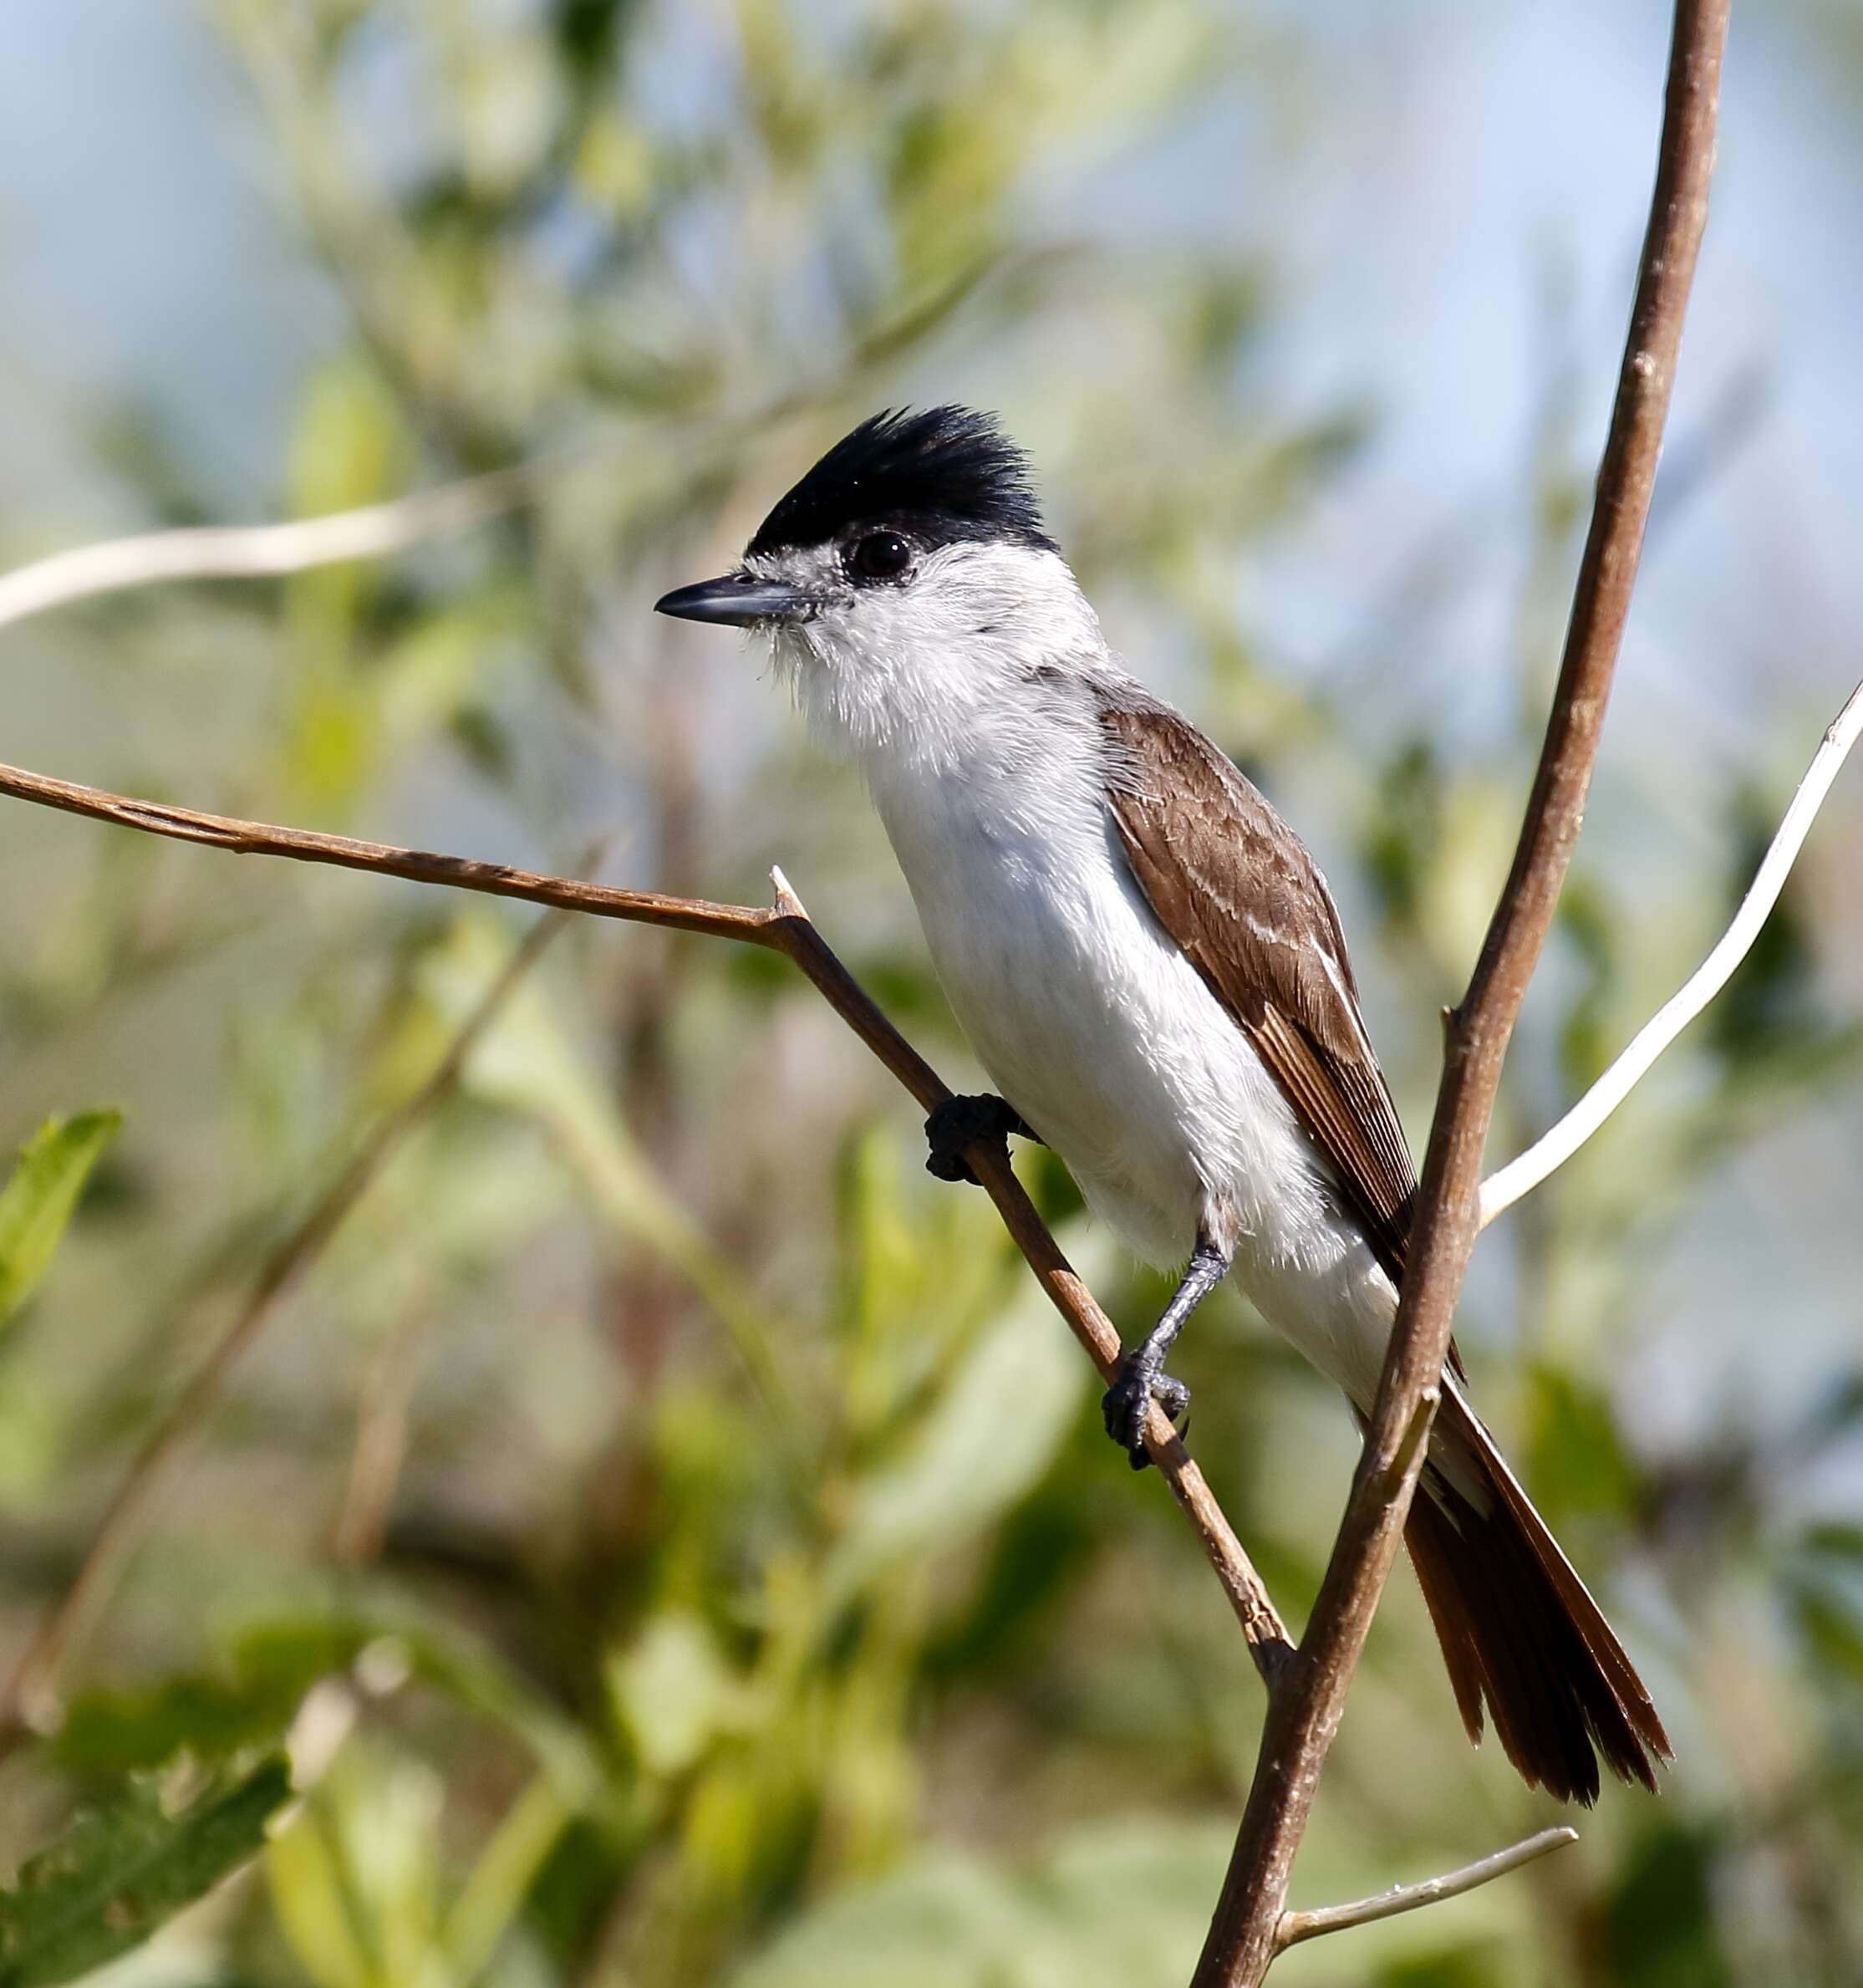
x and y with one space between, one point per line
1296 1926
1550 1152
262 552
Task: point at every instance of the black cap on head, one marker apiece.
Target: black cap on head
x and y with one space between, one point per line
944 473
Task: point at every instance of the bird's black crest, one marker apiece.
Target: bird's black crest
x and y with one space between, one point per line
944 473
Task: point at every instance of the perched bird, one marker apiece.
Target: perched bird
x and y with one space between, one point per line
1150 966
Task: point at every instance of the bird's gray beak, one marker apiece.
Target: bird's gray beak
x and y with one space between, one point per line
740 600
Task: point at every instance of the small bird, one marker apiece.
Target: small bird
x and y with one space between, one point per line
1150 966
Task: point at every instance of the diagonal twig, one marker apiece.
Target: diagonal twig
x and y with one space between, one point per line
1304 1714
784 928
29 1699
1549 1152
379 1449
1296 1926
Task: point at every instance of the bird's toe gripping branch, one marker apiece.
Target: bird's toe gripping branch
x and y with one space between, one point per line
961 1121
1124 1404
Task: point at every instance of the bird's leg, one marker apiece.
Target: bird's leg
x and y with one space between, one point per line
1142 1378
961 1122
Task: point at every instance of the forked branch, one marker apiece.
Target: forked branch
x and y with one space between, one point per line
1296 1926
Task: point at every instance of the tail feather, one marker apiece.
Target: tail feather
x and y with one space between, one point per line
1520 1631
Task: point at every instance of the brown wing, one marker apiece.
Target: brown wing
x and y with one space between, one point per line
1235 887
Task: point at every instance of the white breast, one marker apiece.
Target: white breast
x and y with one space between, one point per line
1091 1022
985 759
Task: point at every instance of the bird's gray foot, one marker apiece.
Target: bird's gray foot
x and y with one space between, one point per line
961 1122
1141 1382
1142 1378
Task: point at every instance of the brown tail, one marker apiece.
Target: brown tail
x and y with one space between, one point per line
1518 1630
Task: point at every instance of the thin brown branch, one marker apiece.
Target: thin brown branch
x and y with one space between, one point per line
380 1451
1304 1714
29 1702
784 928
1296 1926
419 866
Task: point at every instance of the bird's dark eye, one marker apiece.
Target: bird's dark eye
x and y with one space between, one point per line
880 556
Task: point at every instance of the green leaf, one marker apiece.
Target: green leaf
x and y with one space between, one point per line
211 1718
37 1202
121 1872
672 1691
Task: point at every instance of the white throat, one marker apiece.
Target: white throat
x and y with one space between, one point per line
952 664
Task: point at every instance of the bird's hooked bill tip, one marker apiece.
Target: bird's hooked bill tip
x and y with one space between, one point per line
738 600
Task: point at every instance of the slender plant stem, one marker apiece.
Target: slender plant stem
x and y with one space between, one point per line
1296 1926
1304 1714
1544 1157
380 1451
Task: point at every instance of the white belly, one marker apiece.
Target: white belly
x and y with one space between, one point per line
1102 1035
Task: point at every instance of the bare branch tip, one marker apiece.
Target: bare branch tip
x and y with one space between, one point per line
1294 1927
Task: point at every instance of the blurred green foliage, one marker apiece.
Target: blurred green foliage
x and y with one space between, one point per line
121 1872
670 1535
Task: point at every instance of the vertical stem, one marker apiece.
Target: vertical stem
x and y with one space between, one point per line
1304 1713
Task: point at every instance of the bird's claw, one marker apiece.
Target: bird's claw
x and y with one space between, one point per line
1125 1404
961 1121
